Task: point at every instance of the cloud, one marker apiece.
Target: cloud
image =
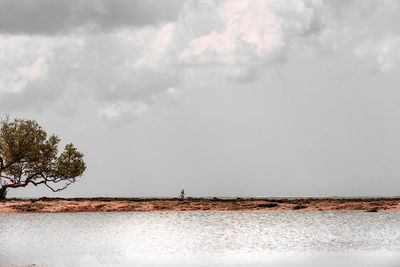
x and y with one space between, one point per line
120 68
385 52
24 60
120 55
121 113
123 54
388 54
255 33
112 53
354 8
48 17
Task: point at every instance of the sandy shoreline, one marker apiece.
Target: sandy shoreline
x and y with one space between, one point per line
193 204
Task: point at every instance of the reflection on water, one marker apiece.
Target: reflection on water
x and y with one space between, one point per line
233 238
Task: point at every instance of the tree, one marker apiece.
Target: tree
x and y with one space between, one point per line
29 156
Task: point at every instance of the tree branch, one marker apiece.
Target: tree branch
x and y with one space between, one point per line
26 182
36 184
1 164
9 178
29 178
59 189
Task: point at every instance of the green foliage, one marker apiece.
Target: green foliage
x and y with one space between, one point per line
70 163
29 156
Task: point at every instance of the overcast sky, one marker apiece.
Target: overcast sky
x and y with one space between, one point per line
221 98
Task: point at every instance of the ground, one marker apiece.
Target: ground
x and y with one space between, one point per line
193 204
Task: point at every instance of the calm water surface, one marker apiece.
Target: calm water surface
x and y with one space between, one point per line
298 238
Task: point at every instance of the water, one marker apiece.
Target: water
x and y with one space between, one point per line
301 238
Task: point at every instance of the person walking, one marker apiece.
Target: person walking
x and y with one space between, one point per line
182 195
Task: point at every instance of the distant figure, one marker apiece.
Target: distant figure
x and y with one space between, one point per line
182 195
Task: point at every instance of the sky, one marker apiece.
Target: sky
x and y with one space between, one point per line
220 98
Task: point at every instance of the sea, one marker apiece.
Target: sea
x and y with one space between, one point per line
201 238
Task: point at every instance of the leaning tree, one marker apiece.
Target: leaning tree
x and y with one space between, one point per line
29 156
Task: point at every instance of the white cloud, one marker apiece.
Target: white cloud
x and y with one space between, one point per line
385 52
389 53
110 111
29 74
172 91
24 60
156 48
122 112
255 33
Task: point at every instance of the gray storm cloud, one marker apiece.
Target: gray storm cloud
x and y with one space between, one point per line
50 17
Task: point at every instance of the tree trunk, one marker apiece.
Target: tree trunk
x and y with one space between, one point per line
3 192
